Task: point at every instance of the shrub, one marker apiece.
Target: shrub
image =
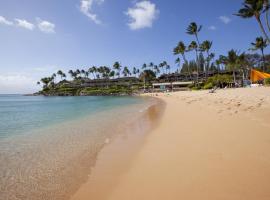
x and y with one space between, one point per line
208 86
267 81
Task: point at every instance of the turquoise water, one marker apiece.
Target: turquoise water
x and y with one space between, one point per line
49 144
19 114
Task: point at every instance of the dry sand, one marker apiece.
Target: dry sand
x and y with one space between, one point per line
207 147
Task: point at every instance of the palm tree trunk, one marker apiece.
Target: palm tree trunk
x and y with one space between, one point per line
267 20
234 78
262 28
184 58
197 61
263 60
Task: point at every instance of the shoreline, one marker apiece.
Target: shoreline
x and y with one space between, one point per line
59 158
206 146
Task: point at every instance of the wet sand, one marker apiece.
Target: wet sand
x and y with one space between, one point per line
207 146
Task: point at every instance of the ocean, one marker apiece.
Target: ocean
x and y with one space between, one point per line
49 144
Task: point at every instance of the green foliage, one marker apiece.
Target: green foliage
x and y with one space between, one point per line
208 86
219 80
106 91
267 81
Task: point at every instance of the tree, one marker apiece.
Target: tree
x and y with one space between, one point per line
194 47
254 8
61 74
93 71
194 29
112 74
144 66
156 70
117 66
134 71
205 47
231 61
178 61
260 44
126 72
72 74
151 66
181 49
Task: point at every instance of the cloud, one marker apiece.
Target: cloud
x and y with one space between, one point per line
142 15
86 8
212 28
225 19
45 26
4 21
16 83
24 24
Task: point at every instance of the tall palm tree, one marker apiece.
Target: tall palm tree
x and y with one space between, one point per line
126 72
205 47
156 70
117 66
231 61
151 66
254 8
134 71
194 29
182 49
112 74
178 61
72 74
161 66
144 66
260 44
266 8
168 69
194 47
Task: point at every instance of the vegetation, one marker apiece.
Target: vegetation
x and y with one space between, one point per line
102 80
267 81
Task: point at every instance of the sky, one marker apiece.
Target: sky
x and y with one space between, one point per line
39 37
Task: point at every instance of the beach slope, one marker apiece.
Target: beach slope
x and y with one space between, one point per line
207 147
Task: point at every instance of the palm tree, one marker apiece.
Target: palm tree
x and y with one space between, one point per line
156 70
194 29
112 74
151 66
126 72
144 66
117 66
178 61
266 8
194 47
254 8
260 44
205 47
134 71
93 71
181 49
161 66
231 61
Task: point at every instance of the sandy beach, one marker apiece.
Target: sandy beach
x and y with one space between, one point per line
206 146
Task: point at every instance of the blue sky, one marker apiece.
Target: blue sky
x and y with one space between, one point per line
38 37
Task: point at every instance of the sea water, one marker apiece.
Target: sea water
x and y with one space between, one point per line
49 144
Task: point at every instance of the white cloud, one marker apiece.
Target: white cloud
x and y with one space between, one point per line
225 19
45 26
86 8
212 28
4 21
142 15
16 83
24 24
